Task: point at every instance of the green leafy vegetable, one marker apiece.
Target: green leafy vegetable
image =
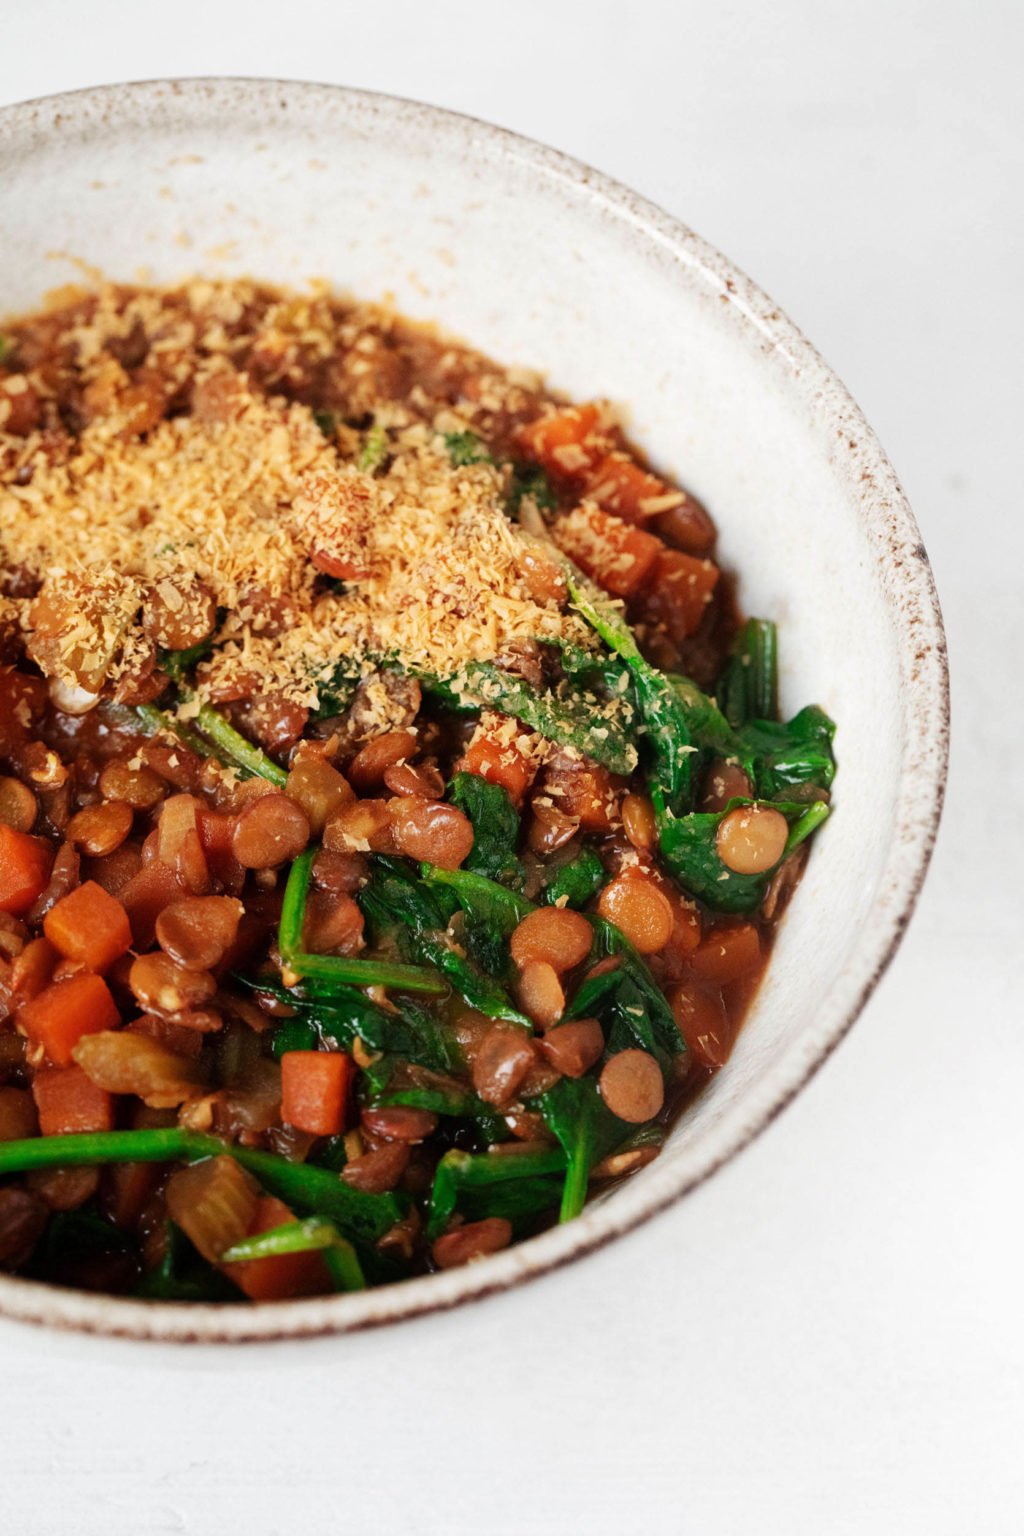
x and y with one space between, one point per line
563 717
690 850
586 1130
178 664
748 688
300 1034
374 450
392 1081
357 972
780 756
495 827
483 901
342 969
530 481
577 882
236 748
223 741
327 421
154 722
396 900
665 723
631 1006
466 448
485 1174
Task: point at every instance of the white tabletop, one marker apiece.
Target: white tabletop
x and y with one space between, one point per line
828 1337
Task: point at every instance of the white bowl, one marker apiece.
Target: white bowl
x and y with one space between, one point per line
538 260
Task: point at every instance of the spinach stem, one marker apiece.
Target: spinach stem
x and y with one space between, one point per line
341 969
315 1234
363 1217
155 720
357 972
805 824
227 742
234 746
293 906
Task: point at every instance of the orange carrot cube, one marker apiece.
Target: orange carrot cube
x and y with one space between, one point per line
619 485
681 588
57 1018
89 926
616 555
68 1101
726 954
585 790
315 1090
498 754
564 441
288 1274
25 863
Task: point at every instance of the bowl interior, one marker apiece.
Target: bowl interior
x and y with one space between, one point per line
537 262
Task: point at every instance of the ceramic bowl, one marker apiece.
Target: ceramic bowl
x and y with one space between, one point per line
538 260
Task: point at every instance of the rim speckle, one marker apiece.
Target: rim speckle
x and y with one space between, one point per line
906 580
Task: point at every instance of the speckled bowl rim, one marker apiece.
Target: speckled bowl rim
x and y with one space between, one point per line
914 608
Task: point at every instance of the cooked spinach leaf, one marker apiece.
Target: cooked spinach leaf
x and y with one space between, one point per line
576 882
495 827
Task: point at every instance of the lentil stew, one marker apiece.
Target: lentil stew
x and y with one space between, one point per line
395 812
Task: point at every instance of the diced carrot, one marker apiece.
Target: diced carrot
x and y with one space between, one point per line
25 863
584 790
60 1015
680 590
564 441
725 954
315 1088
89 926
69 1101
144 898
500 761
619 485
616 555
289 1274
